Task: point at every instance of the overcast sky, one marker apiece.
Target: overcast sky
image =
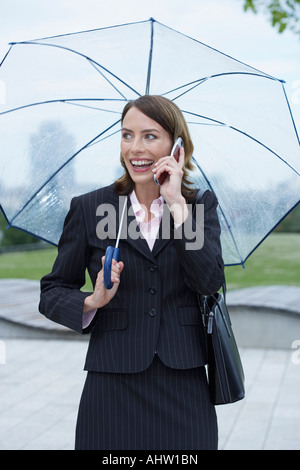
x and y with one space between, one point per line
221 24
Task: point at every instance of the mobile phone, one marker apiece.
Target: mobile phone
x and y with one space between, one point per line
175 153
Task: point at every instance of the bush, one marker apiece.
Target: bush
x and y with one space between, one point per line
291 223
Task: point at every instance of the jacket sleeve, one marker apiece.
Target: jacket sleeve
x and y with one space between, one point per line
201 257
61 299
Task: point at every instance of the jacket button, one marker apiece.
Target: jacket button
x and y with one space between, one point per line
153 290
152 312
152 268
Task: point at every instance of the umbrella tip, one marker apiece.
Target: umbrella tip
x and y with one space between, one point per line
151 19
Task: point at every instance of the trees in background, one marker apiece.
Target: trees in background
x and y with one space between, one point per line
283 14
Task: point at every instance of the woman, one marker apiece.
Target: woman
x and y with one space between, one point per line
146 386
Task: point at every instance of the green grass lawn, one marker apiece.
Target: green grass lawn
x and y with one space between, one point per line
276 261
27 264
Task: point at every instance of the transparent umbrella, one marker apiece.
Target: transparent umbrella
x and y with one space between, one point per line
60 126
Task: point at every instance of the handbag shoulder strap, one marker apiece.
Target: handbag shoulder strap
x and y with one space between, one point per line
224 290
201 192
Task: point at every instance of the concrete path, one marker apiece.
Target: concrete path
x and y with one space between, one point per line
41 378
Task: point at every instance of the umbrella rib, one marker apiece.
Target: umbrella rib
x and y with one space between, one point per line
86 31
150 59
216 50
95 142
89 59
270 231
223 213
247 135
204 79
291 114
91 107
66 100
5 55
62 166
105 78
196 82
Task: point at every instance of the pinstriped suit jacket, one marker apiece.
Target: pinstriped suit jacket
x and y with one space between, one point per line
155 307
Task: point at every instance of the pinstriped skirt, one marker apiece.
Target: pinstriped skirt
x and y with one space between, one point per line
157 409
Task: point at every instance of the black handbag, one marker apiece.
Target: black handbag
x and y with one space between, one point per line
224 368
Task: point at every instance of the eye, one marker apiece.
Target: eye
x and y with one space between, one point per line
150 136
126 136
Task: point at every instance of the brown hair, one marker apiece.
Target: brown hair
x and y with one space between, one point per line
168 115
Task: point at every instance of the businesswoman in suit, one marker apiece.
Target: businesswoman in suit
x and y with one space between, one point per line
146 385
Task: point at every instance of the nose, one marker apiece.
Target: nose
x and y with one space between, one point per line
137 146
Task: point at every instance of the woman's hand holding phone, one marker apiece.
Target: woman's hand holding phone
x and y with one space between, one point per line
170 189
175 152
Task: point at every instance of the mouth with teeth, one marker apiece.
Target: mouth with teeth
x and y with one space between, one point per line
141 165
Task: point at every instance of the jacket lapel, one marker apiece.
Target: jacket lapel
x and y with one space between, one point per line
130 232
165 231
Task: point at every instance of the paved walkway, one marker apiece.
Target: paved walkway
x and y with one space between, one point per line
41 382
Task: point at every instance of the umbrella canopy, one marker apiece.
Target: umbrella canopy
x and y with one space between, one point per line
60 126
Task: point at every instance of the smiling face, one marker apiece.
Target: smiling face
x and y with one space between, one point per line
143 143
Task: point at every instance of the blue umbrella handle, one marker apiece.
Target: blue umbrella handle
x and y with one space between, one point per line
111 253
